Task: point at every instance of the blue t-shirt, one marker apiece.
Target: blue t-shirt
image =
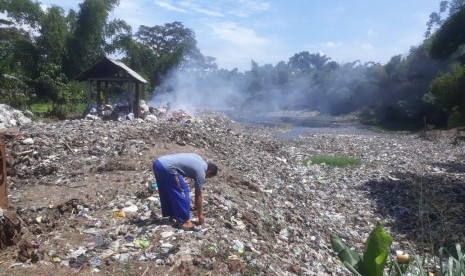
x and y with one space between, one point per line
186 164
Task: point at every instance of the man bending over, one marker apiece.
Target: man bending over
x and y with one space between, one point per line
169 171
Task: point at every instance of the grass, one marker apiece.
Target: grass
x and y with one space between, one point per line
41 107
71 110
334 161
382 129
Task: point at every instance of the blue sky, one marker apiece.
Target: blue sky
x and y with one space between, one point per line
269 31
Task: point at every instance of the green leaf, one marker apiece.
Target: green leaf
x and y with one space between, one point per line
345 254
376 252
351 269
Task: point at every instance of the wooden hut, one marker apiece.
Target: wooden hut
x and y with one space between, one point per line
109 70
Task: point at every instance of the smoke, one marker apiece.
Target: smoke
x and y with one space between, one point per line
264 90
190 90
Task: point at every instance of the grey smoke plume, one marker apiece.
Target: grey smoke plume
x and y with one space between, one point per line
335 90
192 89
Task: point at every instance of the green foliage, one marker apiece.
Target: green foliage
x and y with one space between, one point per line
304 61
119 34
167 47
86 44
74 41
52 81
446 264
65 95
335 161
14 91
455 265
41 108
456 118
376 259
447 92
22 11
377 248
450 36
53 34
351 259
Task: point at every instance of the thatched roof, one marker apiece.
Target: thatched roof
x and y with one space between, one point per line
109 69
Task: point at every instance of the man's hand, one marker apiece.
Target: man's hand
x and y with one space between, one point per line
198 206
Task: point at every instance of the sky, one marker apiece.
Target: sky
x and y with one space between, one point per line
236 32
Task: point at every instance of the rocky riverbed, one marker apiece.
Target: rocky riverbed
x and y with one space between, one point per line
85 193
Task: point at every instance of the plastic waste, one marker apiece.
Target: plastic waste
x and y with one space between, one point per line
56 260
141 243
119 214
239 246
130 209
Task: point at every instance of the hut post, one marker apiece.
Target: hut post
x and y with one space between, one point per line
99 94
89 93
131 97
3 186
106 92
136 101
142 91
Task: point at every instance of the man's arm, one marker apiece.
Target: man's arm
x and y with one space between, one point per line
198 205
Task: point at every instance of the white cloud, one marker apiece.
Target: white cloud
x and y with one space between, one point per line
331 44
236 46
245 8
169 6
197 8
129 5
254 5
240 36
367 47
133 13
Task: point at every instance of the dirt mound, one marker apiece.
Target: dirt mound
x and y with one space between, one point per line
86 194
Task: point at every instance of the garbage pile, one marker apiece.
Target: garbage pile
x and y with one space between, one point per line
88 200
122 112
10 117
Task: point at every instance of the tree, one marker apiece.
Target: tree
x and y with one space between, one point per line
169 38
18 62
22 11
53 34
172 46
447 90
119 37
86 44
304 61
450 36
446 8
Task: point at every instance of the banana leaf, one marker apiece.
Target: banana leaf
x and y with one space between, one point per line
349 258
377 249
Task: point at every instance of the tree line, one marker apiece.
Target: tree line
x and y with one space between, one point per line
41 51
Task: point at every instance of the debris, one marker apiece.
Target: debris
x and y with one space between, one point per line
85 191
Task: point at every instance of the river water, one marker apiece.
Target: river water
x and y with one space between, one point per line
295 124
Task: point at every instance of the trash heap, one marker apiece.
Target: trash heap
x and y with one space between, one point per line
10 117
88 201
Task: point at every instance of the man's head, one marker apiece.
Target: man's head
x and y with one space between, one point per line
212 170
